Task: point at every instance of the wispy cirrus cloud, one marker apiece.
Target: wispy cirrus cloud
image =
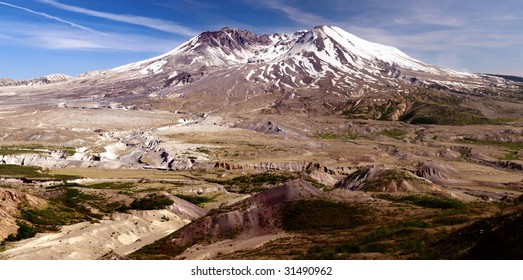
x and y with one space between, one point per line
177 4
153 23
53 37
56 37
72 24
295 14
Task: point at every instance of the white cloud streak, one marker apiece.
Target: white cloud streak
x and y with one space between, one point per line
72 24
295 14
53 37
153 23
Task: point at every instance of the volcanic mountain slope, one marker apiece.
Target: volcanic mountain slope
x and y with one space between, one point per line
299 60
49 79
323 70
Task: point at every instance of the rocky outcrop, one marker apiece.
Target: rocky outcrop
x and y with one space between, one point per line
254 216
323 178
284 166
438 173
46 161
506 165
53 78
184 209
7 82
266 127
123 233
390 180
506 135
475 157
9 202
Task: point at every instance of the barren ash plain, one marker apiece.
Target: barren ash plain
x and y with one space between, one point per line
310 145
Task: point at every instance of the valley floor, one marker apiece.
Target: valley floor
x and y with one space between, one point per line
406 187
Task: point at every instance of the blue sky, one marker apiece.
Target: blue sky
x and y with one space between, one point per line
39 37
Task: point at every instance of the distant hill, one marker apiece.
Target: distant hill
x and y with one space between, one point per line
508 77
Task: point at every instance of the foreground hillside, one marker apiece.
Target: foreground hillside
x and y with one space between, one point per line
372 189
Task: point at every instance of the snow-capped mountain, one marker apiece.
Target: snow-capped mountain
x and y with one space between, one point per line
49 79
325 57
322 70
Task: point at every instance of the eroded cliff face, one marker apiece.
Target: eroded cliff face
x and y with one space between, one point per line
9 203
52 162
117 233
255 216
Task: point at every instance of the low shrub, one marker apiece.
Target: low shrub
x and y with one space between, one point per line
24 231
151 202
323 214
195 199
424 201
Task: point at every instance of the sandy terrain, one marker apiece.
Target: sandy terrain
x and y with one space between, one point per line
123 234
202 252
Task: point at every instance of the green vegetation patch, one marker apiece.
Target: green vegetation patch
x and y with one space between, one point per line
511 155
68 207
51 218
334 136
111 186
162 249
356 113
195 199
31 173
151 202
502 121
444 113
314 182
424 120
10 170
24 231
402 238
35 149
384 111
203 150
519 199
450 220
394 133
76 199
323 214
500 144
424 201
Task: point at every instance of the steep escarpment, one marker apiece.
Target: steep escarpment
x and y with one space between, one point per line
389 180
118 233
49 79
256 216
10 200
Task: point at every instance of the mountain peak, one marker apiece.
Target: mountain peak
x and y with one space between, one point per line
301 59
228 29
322 27
231 39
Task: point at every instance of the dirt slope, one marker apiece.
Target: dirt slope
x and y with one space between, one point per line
122 234
253 217
9 201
